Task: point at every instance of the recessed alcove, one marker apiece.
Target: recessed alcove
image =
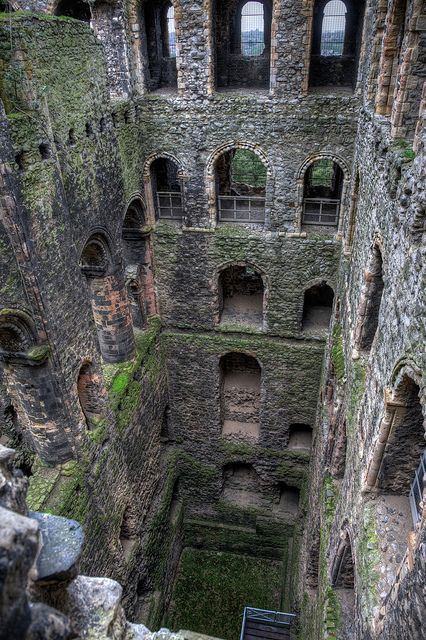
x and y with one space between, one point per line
317 308
288 499
300 437
241 296
240 395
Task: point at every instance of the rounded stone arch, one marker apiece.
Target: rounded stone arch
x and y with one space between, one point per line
310 285
96 253
211 169
157 155
243 352
182 175
137 199
406 367
17 331
300 185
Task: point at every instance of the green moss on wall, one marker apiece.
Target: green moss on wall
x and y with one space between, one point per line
338 353
212 589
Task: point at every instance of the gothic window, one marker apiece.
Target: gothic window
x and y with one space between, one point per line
322 194
317 307
252 29
333 28
240 395
241 296
241 187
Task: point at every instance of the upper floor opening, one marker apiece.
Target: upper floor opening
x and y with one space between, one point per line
159 44
243 43
336 42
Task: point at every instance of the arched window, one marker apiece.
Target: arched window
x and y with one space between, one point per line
241 187
78 9
159 44
252 29
242 38
240 395
333 28
166 189
317 307
241 296
336 42
322 193
171 31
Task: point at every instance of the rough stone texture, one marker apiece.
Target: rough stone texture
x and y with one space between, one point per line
72 162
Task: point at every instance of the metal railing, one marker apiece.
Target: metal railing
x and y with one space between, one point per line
170 205
321 211
417 488
241 208
277 618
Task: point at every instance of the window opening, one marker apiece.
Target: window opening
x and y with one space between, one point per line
241 186
333 28
252 29
167 189
171 31
322 193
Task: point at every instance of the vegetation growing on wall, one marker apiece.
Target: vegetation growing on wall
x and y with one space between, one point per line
212 589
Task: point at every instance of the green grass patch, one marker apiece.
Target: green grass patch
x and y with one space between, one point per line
212 589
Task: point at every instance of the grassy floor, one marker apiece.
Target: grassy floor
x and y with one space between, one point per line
212 589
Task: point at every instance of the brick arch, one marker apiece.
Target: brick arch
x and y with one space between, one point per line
211 168
91 393
341 561
137 196
17 331
101 239
300 185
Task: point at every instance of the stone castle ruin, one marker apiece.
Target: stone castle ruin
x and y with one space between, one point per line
212 319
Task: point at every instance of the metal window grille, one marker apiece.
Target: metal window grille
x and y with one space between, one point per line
252 29
241 209
333 28
170 205
171 31
276 618
321 211
417 488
